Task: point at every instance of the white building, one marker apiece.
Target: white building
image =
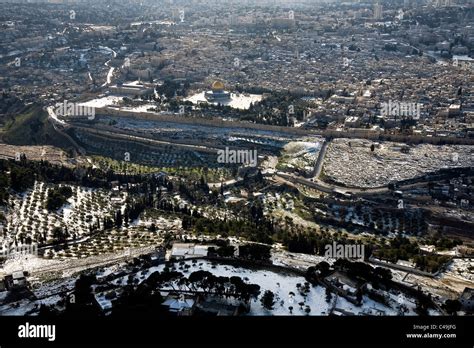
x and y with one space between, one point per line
182 251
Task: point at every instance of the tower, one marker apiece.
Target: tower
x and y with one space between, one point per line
378 11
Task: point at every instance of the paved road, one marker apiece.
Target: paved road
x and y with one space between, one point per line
319 162
329 188
57 123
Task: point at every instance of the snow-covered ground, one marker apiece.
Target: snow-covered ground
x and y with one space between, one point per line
237 101
53 115
287 288
300 155
28 221
109 77
110 100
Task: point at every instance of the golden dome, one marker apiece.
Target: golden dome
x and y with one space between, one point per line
217 86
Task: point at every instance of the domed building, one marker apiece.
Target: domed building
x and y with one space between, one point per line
217 92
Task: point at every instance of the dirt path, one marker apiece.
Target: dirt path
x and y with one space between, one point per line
40 268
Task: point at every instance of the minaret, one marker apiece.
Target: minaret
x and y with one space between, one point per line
378 11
